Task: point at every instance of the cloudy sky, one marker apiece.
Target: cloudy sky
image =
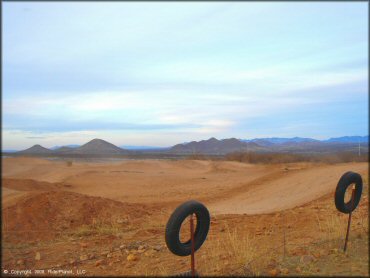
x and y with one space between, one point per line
162 73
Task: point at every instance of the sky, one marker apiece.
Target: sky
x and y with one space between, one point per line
161 73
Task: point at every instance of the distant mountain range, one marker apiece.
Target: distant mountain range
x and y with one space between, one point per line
130 147
296 144
350 139
93 147
211 146
214 146
276 140
344 139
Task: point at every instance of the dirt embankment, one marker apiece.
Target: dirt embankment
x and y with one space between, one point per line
55 211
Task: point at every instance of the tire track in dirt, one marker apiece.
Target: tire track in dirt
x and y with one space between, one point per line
283 190
247 187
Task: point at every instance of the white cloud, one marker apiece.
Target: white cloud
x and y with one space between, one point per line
178 69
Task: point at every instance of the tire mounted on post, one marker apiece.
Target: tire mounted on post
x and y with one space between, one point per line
345 181
173 227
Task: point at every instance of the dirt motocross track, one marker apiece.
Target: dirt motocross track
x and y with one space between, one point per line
126 201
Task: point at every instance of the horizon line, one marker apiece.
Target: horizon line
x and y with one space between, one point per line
120 146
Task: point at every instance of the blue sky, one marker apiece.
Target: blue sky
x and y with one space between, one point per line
163 73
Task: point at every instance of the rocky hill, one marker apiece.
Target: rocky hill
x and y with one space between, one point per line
36 149
214 146
93 147
98 147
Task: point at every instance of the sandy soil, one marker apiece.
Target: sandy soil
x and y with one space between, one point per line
225 187
293 188
93 215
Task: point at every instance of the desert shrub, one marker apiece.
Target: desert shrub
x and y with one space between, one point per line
253 157
271 158
197 156
340 157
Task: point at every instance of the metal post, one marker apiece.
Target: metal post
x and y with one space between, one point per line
349 220
192 246
284 237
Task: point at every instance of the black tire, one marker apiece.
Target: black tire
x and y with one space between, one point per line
346 180
173 226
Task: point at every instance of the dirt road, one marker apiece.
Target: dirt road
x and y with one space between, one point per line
296 187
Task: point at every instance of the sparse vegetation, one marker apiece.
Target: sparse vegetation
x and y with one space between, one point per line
287 157
199 156
271 158
233 248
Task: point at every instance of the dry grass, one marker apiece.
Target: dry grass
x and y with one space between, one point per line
333 228
237 252
100 228
232 252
